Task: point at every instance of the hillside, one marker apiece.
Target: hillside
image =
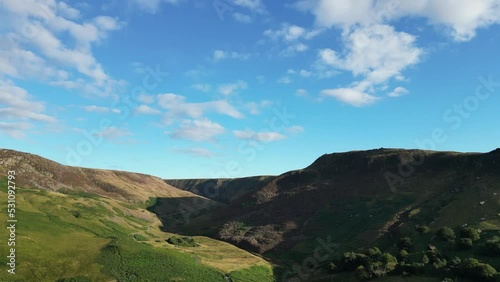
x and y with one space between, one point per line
360 199
37 172
94 225
221 190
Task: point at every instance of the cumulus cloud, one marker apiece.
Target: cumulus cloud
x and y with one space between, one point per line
376 53
353 96
462 17
398 92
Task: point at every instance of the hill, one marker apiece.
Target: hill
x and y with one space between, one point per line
76 224
220 190
359 199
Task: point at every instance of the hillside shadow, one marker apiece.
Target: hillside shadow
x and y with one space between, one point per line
174 213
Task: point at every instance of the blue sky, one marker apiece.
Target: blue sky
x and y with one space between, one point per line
230 88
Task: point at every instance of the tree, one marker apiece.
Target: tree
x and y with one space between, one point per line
446 234
472 268
492 246
469 232
465 243
405 244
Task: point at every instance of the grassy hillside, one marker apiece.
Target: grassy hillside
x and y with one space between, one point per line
38 172
93 238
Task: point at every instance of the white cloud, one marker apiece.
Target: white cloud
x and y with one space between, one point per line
295 129
19 110
201 87
264 137
301 93
352 96
294 49
242 18
220 55
196 152
99 109
284 80
15 129
17 103
35 30
146 99
255 6
178 107
255 108
462 17
229 89
113 133
146 110
398 92
377 53
290 32
151 6
198 130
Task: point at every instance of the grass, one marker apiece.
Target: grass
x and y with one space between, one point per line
63 237
252 274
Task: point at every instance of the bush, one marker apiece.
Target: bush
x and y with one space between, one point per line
469 232
423 229
446 234
405 244
182 241
363 273
439 263
474 269
351 260
403 254
492 246
374 252
465 243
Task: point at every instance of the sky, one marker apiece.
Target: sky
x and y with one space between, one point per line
232 88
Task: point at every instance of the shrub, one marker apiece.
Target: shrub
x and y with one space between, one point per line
474 269
439 263
403 254
423 229
182 241
492 246
446 234
351 260
405 244
363 273
469 232
374 252
465 243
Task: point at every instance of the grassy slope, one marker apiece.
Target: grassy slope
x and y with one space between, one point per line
66 236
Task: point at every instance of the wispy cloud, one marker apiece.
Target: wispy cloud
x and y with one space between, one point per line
196 152
258 136
198 130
